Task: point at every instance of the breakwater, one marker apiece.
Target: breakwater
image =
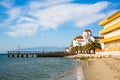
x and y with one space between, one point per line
37 54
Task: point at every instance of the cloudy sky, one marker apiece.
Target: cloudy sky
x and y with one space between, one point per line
34 23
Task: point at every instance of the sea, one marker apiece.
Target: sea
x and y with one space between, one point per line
40 68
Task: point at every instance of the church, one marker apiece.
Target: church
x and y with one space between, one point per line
84 39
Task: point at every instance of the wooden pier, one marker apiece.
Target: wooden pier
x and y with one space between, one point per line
22 54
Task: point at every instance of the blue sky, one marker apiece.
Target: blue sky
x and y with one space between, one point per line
34 23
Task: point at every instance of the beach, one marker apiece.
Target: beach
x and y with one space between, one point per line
74 73
98 67
103 69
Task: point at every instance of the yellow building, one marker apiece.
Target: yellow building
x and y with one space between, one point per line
111 32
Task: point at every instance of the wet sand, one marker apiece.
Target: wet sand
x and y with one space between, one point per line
74 73
103 69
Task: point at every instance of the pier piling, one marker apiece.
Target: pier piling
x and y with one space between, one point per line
27 54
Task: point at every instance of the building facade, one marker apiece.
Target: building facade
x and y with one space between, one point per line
111 32
84 39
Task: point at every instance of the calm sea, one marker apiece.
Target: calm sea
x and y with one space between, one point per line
33 68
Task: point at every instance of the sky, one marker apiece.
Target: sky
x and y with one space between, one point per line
34 23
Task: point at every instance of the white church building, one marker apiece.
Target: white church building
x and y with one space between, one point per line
84 39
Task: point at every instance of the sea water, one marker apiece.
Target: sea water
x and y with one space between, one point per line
34 68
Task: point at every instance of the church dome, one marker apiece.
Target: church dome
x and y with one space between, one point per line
87 32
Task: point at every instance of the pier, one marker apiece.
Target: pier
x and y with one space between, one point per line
26 54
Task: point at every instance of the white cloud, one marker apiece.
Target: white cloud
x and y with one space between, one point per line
27 29
52 17
51 14
89 20
46 3
14 13
26 19
6 3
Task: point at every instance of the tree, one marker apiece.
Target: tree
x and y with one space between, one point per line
80 49
71 45
75 50
94 45
86 49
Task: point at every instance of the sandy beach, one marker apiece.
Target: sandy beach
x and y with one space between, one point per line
103 69
98 67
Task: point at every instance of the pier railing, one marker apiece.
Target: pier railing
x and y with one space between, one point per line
37 54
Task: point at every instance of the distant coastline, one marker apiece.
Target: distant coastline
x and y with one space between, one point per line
3 52
42 48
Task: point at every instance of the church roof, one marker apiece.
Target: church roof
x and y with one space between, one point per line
78 37
87 30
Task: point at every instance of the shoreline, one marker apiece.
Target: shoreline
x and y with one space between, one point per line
98 67
74 73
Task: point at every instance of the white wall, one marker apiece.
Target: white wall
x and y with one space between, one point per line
112 22
102 45
113 53
113 33
76 42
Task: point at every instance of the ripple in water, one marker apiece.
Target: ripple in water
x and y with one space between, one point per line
32 68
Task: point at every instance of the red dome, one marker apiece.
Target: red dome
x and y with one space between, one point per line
87 30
